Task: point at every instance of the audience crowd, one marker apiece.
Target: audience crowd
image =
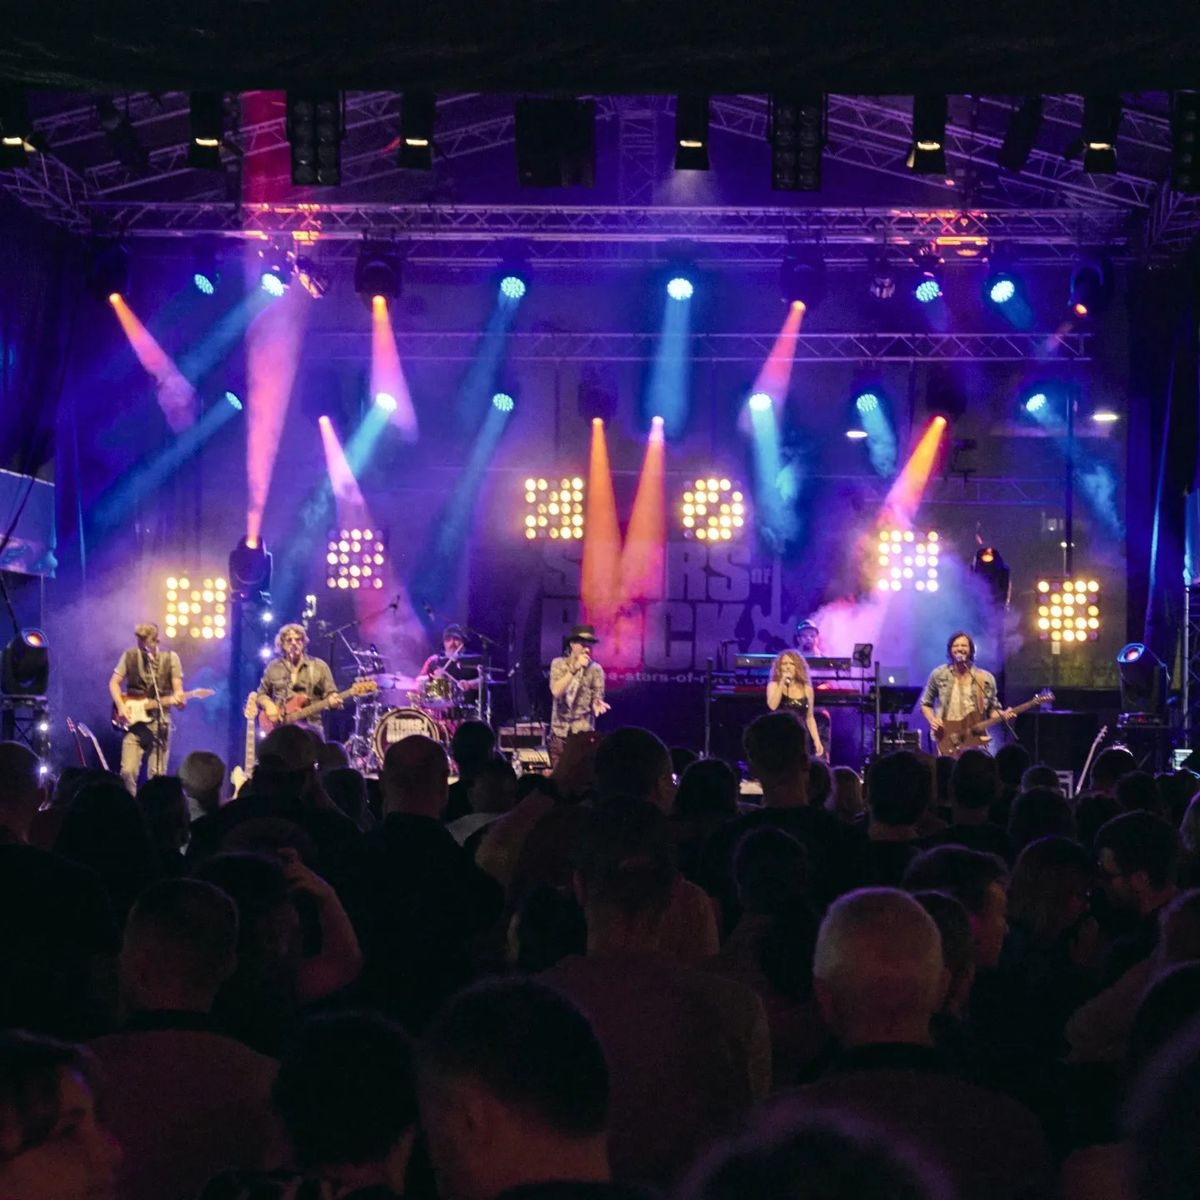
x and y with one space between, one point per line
944 979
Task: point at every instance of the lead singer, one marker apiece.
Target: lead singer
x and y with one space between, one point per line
577 690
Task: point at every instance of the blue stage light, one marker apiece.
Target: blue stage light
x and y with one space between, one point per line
273 283
867 402
1036 403
234 399
1002 289
927 290
386 401
512 287
503 402
760 402
204 282
856 435
680 288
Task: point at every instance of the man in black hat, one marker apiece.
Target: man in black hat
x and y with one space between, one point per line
808 638
577 690
452 662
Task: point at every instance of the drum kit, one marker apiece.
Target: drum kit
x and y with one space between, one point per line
433 707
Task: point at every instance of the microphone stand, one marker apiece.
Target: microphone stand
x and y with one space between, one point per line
157 754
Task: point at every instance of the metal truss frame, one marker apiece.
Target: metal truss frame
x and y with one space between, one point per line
570 346
1191 663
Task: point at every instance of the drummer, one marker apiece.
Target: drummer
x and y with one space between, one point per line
452 663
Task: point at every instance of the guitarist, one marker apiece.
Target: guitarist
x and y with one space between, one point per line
959 689
145 672
294 676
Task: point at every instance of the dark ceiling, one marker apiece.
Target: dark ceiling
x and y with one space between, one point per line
614 46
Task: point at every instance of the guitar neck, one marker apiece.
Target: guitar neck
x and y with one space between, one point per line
311 710
1017 710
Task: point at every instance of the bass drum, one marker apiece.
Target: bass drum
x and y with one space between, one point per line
398 723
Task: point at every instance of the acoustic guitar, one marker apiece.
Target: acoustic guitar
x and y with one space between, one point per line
300 708
971 730
144 709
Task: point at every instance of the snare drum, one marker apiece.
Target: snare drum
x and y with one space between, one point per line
398 723
439 691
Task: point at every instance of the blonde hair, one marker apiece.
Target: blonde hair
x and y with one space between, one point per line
286 629
801 667
145 631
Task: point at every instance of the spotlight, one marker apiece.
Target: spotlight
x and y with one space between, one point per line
1036 403
512 287
233 400
1143 679
386 401
377 271
556 142
16 129
679 287
1091 287
312 277
274 279
1101 119
207 121
713 509
760 402
691 133
1185 135
866 402
927 154
315 128
354 559
1021 134
249 567
993 570
796 128
856 435
883 275
122 140
802 278
1105 416
205 275
25 670
205 284
503 402
928 286
1000 287
417 111
108 270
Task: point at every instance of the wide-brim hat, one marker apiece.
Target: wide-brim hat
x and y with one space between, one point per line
583 633
456 631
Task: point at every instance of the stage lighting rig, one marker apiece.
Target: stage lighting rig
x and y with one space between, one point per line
196 607
312 277
556 142
377 271
1091 287
1021 134
713 509
906 559
927 154
1143 678
691 133
315 129
16 129
1101 120
796 129
205 275
802 278
1185 142
417 113
554 512
929 264
354 559
122 139
249 568
25 670
1068 610
108 270
993 570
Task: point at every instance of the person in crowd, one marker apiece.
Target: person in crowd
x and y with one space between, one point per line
1138 791
958 958
879 977
1138 855
183 1099
202 774
493 793
1038 813
164 809
820 783
347 788
416 898
899 791
777 758
1189 838
682 757
548 925
688 1052
514 1097
1177 789
104 829
472 745
1039 775
1012 761
771 948
346 1099
707 797
1109 766
846 802
1093 810
832 1156
23 791
974 787
53 1143
632 763
277 973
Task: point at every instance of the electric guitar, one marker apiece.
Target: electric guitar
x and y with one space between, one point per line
144 709
1087 765
79 730
240 774
971 730
300 708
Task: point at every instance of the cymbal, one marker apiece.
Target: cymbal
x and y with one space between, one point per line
390 681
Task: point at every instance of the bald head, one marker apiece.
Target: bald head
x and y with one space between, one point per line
415 777
878 967
21 787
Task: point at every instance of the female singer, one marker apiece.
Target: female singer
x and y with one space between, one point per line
790 687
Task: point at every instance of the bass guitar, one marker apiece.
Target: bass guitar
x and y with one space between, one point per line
960 735
300 708
144 709
240 774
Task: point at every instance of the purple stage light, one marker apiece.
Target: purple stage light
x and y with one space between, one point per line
760 402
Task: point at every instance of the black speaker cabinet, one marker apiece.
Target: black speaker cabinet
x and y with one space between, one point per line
1058 739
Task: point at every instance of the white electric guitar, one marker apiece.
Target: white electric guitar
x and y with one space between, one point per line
143 710
241 773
